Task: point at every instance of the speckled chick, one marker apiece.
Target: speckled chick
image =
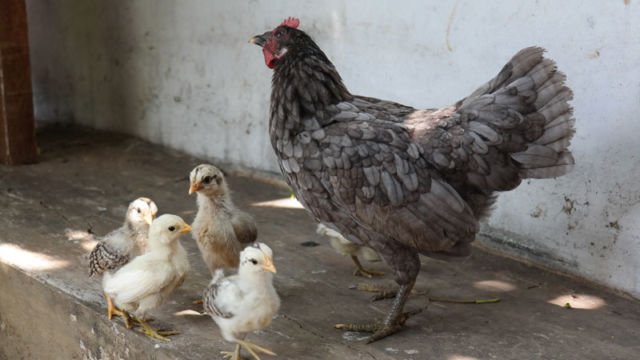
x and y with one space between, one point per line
117 247
246 302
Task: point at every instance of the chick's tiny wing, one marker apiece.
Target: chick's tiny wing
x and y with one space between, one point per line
222 298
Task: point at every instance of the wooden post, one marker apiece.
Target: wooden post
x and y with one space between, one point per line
17 125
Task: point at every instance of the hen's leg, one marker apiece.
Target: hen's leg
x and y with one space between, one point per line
406 264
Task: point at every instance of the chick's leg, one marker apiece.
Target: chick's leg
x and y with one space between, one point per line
113 310
361 271
235 355
153 333
254 349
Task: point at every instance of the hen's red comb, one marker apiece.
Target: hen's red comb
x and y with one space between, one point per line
291 22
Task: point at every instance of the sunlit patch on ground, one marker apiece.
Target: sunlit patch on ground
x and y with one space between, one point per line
578 301
285 203
461 357
29 260
85 239
188 312
494 285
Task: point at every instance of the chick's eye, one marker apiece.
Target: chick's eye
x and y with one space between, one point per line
172 228
254 261
207 179
138 210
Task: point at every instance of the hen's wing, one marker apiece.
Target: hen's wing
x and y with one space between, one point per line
139 278
363 165
103 258
220 298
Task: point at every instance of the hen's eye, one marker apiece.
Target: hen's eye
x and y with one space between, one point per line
278 34
172 228
254 261
138 210
207 179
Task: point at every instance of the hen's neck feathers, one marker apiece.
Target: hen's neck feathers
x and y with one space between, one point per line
303 83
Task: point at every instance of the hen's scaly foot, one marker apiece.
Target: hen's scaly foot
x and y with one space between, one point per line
254 349
113 310
361 271
153 333
393 322
379 329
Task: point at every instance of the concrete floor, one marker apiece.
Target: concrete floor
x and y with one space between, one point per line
49 308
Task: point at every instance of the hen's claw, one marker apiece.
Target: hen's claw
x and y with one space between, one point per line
379 329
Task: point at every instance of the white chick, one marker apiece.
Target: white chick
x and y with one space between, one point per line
245 302
120 245
147 281
220 229
348 248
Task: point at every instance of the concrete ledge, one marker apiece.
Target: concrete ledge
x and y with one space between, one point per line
50 309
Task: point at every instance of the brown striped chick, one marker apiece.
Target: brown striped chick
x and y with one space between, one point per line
348 248
245 302
120 245
147 281
220 229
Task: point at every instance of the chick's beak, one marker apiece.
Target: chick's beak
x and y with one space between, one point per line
260 40
194 187
185 229
268 265
148 218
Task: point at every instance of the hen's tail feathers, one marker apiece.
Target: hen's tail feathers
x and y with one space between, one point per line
527 102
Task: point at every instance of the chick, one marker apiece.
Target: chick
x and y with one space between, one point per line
120 245
220 229
245 302
349 248
147 281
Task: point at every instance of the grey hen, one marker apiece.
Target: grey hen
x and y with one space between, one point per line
405 181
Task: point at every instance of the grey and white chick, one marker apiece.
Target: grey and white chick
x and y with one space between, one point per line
116 248
245 302
345 247
220 229
147 281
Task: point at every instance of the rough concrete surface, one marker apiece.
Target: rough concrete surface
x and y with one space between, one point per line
50 309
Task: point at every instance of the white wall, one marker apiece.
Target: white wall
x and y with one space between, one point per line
181 73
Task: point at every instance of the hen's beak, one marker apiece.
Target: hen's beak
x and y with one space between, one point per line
194 187
260 40
268 265
185 229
